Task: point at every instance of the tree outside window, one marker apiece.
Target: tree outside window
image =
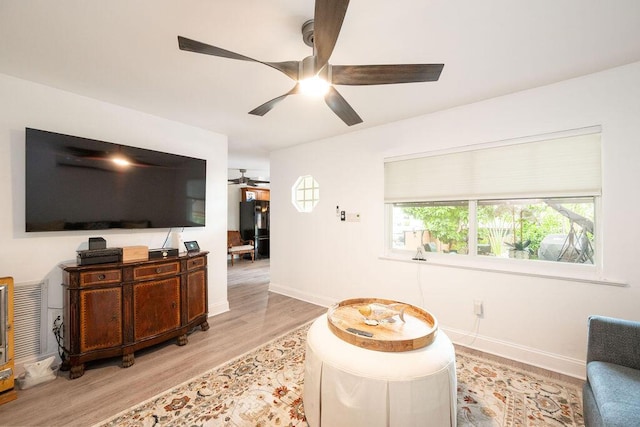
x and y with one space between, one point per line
549 229
444 227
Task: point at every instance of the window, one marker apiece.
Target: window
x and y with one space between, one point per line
546 229
305 193
550 229
533 200
437 227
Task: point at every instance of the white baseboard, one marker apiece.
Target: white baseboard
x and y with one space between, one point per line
531 356
303 296
219 308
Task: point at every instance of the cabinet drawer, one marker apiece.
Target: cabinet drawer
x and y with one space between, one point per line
196 263
150 271
100 276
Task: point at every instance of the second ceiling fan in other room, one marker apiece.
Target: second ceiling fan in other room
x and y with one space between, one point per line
321 34
246 180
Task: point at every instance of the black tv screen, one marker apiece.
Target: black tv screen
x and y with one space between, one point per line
75 183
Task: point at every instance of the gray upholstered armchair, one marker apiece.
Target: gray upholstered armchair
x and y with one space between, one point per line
611 395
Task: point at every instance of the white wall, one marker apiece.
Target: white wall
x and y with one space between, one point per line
34 257
540 321
233 208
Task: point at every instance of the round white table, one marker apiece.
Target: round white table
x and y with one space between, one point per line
346 385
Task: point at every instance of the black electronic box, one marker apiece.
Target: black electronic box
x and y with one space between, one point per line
162 253
99 256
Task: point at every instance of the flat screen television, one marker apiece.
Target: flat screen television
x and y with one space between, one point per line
75 183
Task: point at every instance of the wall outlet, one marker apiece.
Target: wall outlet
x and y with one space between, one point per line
477 308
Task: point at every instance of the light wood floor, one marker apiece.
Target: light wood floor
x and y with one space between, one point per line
255 317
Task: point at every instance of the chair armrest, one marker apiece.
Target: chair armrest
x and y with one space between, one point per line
614 340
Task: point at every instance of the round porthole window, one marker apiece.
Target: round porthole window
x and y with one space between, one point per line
305 193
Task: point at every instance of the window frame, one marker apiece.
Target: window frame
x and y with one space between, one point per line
591 273
405 170
300 204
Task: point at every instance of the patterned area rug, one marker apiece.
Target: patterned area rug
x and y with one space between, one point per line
264 387
493 394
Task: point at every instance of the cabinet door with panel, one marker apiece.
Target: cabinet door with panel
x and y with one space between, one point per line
100 318
156 307
98 307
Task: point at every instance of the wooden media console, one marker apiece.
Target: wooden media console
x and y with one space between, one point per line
116 309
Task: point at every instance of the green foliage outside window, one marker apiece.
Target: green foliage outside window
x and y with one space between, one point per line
504 225
448 224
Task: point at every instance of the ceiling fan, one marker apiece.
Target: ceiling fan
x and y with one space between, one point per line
321 33
246 180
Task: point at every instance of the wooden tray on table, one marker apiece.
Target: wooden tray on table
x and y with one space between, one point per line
418 330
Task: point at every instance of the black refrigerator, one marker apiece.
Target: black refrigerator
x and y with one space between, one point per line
254 225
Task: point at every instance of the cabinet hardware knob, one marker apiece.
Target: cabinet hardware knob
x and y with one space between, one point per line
173 304
101 277
158 270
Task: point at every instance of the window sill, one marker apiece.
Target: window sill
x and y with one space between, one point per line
577 273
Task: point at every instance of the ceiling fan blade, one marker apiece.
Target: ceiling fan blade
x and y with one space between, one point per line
341 107
234 181
267 106
384 74
290 68
327 22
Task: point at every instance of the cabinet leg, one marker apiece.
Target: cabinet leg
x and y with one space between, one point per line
76 371
128 360
204 326
183 340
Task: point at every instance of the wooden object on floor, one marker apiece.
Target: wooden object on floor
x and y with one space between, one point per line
7 364
347 323
116 309
237 246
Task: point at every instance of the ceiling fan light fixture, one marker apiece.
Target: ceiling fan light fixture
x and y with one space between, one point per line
314 86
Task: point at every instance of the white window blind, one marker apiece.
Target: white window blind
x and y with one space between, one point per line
553 167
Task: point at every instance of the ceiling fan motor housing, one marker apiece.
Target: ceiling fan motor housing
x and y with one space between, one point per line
307 32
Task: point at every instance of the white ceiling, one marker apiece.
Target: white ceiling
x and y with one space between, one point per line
125 52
